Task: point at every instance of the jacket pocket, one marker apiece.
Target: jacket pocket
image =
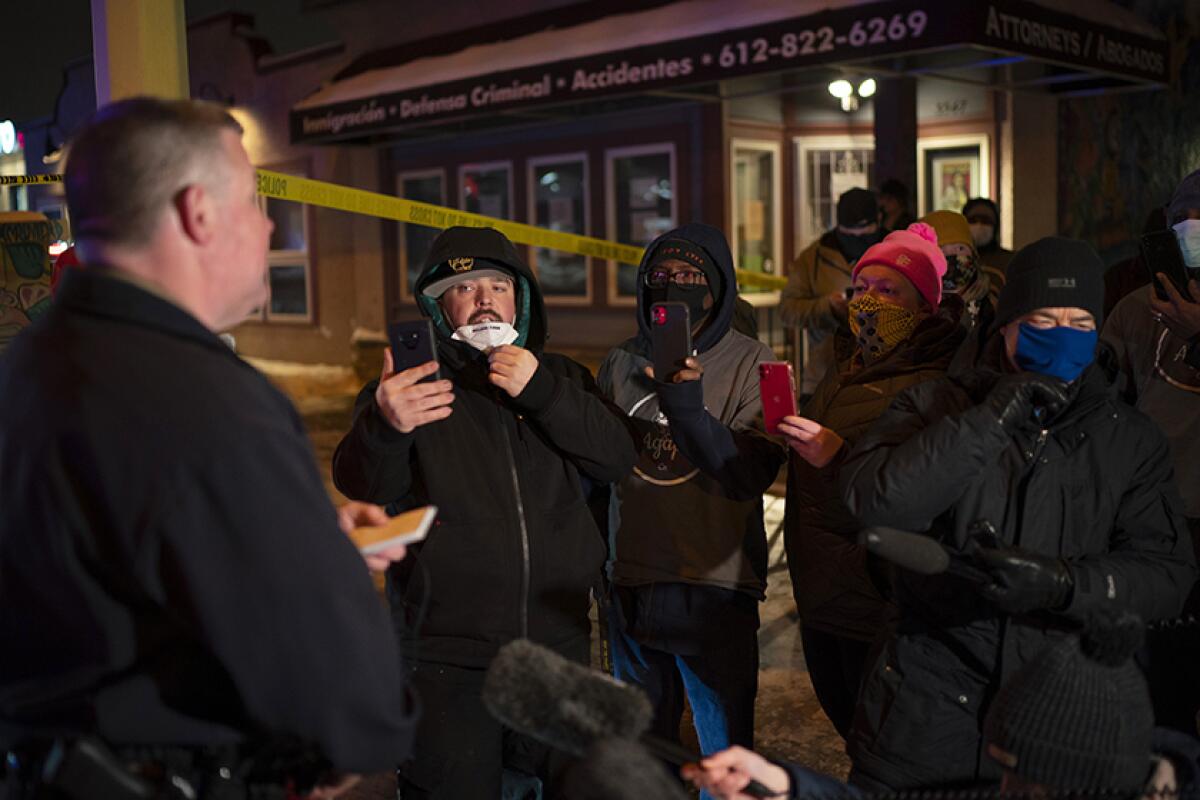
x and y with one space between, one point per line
473 581
567 555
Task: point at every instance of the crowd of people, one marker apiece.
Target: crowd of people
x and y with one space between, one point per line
184 615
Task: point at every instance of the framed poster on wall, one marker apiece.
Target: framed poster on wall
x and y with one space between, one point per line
951 171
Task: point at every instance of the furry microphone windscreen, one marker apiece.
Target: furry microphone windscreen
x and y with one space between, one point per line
539 693
618 769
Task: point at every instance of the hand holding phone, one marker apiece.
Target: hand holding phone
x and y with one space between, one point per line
778 392
406 401
670 338
1161 254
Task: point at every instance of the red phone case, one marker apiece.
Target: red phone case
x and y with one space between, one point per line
778 393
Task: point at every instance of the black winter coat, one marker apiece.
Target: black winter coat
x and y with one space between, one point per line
515 549
171 569
1094 487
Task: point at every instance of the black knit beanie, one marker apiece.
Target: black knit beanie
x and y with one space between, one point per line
690 253
1078 716
1053 272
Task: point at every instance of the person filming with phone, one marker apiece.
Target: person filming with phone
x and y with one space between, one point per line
690 564
902 338
1155 333
499 440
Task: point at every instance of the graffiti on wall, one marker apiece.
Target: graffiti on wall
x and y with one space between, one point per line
1121 155
25 239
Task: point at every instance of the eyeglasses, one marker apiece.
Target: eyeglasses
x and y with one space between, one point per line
659 278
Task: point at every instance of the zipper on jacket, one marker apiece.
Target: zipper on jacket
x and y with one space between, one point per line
525 567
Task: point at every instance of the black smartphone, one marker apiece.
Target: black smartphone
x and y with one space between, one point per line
413 344
670 338
1161 253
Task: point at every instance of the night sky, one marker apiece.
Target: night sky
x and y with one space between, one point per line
41 36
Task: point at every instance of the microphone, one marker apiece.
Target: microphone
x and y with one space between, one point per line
923 555
568 706
618 769
537 692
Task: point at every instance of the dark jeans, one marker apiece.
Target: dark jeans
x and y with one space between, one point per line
676 640
835 667
461 752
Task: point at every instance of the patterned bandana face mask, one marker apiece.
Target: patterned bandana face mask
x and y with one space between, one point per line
879 326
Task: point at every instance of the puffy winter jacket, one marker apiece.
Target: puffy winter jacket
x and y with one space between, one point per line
1094 487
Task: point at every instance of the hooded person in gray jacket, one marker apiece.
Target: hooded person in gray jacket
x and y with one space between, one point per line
690 558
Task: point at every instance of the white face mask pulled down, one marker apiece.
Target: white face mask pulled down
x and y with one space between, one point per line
485 336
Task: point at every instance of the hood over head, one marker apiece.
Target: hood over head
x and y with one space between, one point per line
719 263
460 250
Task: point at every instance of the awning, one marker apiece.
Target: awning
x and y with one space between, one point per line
1084 45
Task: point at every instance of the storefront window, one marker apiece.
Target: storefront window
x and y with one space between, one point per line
428 186
829 167
486 189
641 203
756 235
289 270
289 290
558 199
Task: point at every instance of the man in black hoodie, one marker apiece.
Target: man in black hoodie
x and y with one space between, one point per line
499 445
691 554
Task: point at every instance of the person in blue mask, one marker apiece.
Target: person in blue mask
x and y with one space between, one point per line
1032 470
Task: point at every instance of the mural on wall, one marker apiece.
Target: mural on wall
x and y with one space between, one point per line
25 268
1120 155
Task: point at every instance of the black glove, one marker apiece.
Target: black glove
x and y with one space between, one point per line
1014 398
1022 581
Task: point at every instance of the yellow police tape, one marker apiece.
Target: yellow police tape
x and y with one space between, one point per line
360 201
21 180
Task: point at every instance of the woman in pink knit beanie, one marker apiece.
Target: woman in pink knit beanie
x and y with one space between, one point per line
902 339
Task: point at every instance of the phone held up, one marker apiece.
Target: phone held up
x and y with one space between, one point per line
413 344
1161 253
778 392
670 338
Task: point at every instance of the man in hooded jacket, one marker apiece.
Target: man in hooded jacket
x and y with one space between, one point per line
1062 495
814 299
499 444
691 555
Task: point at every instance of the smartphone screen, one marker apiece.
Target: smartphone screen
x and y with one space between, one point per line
778 392
670 338
413 344
1161 253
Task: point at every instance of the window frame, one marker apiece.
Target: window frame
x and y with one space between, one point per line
402 251
531 165
611 154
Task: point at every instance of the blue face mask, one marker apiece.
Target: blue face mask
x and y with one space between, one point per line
1062 352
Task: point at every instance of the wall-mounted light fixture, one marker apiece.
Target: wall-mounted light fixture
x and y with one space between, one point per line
844 91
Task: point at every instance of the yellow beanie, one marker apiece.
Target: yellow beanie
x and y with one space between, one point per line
951 227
